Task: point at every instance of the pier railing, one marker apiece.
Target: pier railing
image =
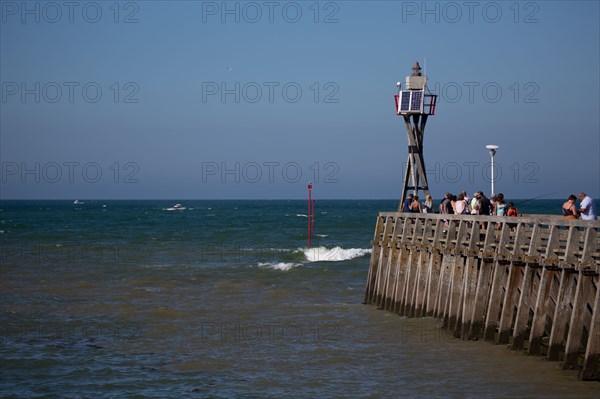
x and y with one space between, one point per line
531 282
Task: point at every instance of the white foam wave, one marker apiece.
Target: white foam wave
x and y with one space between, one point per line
322 235
265 250
284 266
301 215
323 254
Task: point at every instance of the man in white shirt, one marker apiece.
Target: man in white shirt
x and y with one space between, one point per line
586 207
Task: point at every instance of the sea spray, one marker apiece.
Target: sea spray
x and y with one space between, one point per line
323 254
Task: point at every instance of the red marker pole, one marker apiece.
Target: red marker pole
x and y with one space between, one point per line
309 211
312 227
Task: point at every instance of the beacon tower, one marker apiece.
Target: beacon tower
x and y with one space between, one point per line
415 103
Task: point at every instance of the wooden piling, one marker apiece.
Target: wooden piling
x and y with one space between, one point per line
528 288
591 362
531 281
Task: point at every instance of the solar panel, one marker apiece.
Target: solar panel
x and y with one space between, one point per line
405 101
416 100
411 101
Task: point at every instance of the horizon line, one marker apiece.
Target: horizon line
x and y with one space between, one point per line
229 199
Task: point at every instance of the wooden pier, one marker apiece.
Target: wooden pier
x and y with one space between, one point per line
529 282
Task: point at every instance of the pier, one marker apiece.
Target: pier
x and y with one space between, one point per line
529 282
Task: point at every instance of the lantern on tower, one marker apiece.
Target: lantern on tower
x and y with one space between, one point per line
415 103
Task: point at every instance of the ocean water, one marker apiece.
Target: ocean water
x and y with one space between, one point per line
223 300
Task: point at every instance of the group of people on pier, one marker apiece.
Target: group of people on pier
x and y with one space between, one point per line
479 204
462 204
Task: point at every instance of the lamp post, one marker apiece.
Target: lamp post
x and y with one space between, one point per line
492 149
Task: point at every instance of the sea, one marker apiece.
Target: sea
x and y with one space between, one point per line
224 299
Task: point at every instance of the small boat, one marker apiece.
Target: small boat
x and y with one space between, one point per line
176 207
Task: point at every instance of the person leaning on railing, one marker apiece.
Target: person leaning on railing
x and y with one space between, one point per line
586 207
511 210
569 210
415 205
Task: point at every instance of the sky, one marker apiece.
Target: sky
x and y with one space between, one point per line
252 100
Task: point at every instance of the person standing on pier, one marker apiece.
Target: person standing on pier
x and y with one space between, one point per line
511 210
415 205
446 205
569 209
467 200
407 202
460 206
474 205
428 204
586 207
466 196
492 200
499 205
485 207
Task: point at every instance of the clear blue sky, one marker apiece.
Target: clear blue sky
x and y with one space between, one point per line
301 97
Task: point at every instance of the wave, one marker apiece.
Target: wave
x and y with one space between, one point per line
301 215
284 266
293 258
336 254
